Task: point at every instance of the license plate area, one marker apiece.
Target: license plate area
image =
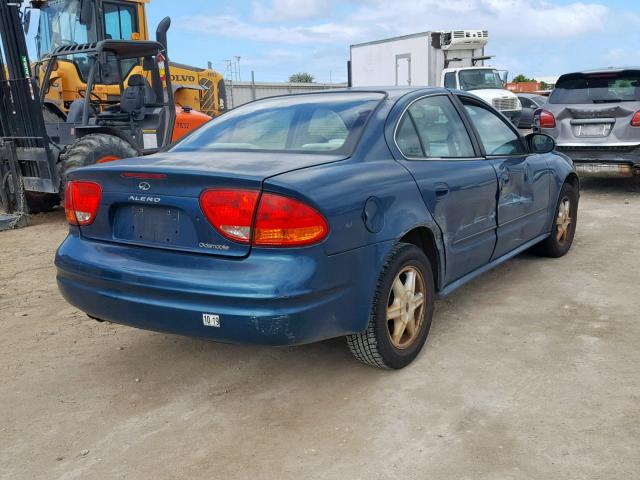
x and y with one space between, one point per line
155 224
592 130
151 225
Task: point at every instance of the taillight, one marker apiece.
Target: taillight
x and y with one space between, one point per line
278 222
285 222
635 121
81 202
230 211
547 120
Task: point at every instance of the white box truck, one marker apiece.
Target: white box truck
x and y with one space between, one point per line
451 59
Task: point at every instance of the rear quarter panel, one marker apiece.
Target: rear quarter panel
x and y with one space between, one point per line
372 178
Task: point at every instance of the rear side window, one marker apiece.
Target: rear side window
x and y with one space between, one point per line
433 125
311 123
597 88
408 140
496 136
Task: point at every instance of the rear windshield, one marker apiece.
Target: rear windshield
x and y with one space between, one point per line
310 123
598 88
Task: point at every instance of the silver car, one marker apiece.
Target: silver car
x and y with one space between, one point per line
594 117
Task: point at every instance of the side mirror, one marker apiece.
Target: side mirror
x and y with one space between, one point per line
26 22
540 143
86 13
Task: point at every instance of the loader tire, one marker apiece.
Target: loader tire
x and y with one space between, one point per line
39 202
92 149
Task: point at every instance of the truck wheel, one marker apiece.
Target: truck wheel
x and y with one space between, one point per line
92 149
564 225
402 310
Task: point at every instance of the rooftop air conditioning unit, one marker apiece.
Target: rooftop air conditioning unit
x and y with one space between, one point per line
464 39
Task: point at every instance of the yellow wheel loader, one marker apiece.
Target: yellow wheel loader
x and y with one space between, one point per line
74 22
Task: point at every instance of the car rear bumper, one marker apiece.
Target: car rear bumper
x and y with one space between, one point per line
604 160
272 298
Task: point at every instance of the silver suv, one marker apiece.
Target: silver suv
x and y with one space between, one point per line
594 117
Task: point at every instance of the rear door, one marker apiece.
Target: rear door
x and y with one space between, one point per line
457 184
523 178
403 69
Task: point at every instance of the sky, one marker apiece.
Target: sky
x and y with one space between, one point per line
276 38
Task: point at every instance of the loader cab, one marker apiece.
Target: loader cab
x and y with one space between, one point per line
141 111
69 22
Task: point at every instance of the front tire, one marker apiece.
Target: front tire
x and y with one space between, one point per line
564 225
401 313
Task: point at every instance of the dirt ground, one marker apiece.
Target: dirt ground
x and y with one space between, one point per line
530 372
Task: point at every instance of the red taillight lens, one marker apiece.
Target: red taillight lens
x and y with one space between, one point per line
635 121
279 221
285 222
547 120
230 211
81 202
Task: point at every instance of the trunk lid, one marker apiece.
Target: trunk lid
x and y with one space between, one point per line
154 201
594 123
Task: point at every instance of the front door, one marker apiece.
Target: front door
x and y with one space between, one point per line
457 184
523 178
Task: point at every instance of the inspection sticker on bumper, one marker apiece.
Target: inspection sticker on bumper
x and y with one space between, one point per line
211 320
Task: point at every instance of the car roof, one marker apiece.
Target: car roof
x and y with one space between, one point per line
601 70
392 93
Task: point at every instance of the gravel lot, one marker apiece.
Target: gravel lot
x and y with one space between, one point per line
530 372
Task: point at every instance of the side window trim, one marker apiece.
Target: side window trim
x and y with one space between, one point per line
477 147
464 99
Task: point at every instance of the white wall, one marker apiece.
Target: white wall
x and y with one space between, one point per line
239 93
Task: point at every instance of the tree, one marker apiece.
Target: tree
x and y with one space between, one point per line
521 78
301 77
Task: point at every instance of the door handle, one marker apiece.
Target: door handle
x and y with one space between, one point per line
442 190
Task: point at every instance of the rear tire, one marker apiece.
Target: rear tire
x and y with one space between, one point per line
398 324
564 225
90 150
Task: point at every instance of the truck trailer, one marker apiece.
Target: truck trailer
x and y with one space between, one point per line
451 59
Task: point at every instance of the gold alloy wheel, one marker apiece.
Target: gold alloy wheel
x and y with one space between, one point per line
563 221
405 307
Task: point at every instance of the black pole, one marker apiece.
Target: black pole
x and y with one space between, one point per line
87 95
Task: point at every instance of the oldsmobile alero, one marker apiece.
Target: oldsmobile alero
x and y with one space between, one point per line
300 218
